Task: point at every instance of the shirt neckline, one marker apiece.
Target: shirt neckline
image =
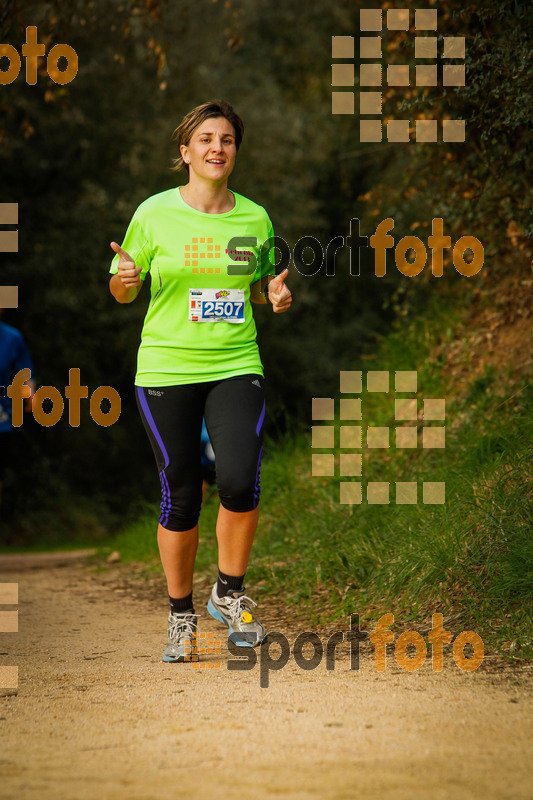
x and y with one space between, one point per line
206 213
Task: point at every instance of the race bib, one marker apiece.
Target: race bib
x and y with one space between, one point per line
216 305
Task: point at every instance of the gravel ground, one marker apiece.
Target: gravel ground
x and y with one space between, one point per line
97 714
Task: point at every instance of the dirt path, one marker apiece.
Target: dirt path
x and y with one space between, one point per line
98 715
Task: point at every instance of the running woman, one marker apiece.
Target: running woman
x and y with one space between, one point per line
199 358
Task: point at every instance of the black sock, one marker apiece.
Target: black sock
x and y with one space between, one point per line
180 605
227 583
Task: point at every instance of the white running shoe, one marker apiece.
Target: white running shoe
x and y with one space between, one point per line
234 610
182 630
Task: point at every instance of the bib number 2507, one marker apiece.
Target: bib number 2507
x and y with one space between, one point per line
220 309
216 305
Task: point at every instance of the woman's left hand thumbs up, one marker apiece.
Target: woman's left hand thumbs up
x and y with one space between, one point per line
279 294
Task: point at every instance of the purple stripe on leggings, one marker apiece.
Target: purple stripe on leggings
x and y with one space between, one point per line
165 488
257 489
261 419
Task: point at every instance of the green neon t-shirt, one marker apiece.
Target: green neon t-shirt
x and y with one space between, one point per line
186 253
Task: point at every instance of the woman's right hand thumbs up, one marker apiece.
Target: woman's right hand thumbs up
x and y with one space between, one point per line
127 271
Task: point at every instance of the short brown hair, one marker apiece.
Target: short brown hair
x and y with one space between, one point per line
189 123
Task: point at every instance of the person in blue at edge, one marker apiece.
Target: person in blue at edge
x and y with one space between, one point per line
14 356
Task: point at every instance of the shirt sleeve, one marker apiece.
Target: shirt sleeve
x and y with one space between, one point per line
137 244
267 257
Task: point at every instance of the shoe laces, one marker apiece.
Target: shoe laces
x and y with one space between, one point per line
182 625
237 605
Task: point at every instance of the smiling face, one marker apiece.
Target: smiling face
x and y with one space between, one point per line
211 151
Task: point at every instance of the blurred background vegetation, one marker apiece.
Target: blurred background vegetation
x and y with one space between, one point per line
79 158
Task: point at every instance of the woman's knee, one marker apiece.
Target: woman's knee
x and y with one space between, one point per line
177 516
180 503
239 491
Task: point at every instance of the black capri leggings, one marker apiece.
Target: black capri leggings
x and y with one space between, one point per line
234 410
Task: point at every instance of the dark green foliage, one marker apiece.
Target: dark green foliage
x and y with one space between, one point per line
79 158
